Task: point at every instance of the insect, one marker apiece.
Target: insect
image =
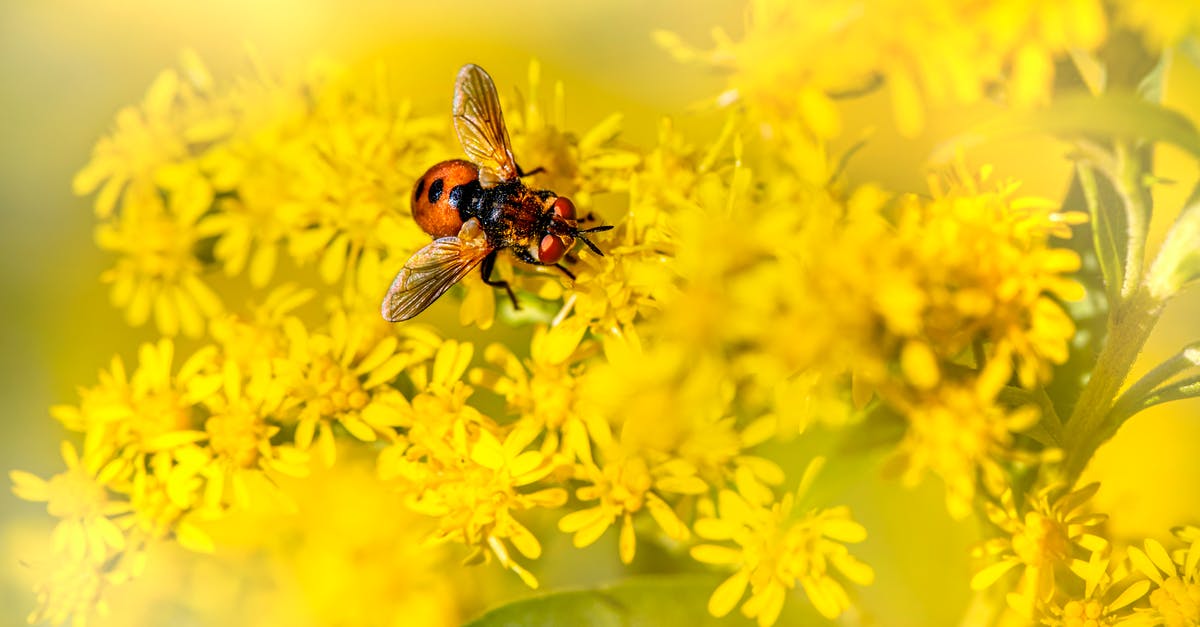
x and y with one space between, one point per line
479 207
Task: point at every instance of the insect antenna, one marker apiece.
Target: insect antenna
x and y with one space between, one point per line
587 241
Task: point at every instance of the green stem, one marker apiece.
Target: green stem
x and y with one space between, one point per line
1130 325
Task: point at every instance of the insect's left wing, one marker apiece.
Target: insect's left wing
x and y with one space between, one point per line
432 270
480 126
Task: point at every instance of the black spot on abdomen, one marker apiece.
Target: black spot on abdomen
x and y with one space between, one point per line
435 190
420 188
462 195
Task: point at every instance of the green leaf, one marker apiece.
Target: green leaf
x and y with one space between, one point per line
1112 115
1109 233
1091 70
1180 390
1178 261
1151 87
637 602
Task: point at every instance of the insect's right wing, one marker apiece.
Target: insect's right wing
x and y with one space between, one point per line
480 126
433 270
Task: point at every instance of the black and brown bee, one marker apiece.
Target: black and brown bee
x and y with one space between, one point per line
477 207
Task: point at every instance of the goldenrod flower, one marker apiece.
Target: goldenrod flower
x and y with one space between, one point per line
157 272
338 377
1175 595
541 391
457 465
776 549
74 590
1106 598
257 339
154 409
241 428
576 166
796 56
1040 541
157 143
622 488
973 264
960 431
255 169
475 496
79 497
352 187
754 295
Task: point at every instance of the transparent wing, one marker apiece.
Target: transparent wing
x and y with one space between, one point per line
480 126
432 270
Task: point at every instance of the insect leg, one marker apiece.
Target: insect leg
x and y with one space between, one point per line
522 173
489 262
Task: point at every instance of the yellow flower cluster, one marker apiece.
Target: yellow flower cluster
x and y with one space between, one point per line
747 296
945 51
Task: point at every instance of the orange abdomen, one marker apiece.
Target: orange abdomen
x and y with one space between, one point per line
435 201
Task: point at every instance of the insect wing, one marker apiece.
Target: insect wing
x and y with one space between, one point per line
480 126
432 270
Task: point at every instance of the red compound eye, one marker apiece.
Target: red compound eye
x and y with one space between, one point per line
564 208
551 249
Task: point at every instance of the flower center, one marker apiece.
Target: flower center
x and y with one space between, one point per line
74 494
1041 542
160 414
235 437
337 389
1177 602
1082 614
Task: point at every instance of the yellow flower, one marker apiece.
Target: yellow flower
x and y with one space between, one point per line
1039 540
959 431
776 549
352 185
163 496
347 553
622 488
974 264
942 52
1106 598
339 377
154 409
257 338
240 430
578 167
73 591
475 496
1175 597
156 271
254 169
457 465
79 497
541 391
157 143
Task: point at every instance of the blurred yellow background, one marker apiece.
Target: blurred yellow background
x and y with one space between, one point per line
67 67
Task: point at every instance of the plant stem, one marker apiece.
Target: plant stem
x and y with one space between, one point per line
1130 324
